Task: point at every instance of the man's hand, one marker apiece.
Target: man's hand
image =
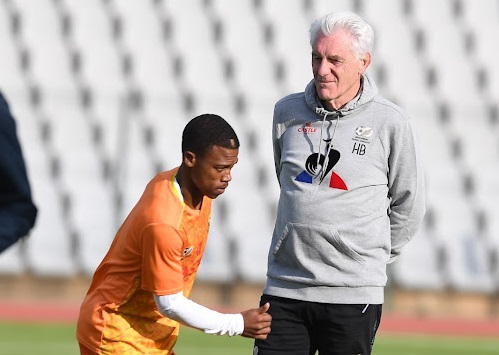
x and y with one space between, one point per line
257 322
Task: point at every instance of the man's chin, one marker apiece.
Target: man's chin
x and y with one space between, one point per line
324 94
216 193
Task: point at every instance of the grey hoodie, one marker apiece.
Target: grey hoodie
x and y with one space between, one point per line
352 195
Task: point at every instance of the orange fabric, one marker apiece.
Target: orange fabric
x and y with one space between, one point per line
86 351
157 250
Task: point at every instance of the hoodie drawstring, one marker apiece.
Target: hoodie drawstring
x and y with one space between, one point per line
337 115
320 141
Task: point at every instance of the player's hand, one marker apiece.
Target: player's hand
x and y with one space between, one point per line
257 322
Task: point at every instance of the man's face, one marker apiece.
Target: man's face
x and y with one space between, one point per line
337 71
211 173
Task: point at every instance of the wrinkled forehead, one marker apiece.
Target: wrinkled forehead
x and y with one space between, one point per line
339 40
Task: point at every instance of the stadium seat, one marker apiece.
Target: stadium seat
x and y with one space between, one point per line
50 248
446 41
92 35
243 41
153 70
481 21
218 264
166 118
12 261
491 232
106 113
290 43
419 267
467 266
82 179
479 146
321 7
435 139
486 195
263 158
136 167
396 51
49 65
249 220
13 82
202 72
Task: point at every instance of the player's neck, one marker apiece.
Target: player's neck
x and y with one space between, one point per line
190 193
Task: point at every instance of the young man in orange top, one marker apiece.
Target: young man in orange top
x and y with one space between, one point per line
139 293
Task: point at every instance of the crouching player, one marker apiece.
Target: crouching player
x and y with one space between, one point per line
139 293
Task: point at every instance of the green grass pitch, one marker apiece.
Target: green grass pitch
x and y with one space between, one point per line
59 339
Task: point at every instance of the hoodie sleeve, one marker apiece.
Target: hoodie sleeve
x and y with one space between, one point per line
406 187
276 143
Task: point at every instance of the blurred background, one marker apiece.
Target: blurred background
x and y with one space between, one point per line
102 89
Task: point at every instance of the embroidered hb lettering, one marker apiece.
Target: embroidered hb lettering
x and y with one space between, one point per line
359 148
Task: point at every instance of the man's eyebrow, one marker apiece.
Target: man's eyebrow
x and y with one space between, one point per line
330 57
336 58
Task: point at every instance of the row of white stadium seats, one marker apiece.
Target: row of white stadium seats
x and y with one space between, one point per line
101 90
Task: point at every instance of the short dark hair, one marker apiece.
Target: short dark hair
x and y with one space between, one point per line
205 131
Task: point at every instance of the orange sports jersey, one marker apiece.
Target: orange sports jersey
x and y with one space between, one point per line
157 250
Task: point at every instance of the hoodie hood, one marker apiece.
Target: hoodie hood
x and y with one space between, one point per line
368 92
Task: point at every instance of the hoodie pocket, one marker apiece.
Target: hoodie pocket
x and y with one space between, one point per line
314 252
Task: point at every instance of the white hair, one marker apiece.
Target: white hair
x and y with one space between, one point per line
361 31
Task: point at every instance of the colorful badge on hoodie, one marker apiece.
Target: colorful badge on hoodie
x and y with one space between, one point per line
318 166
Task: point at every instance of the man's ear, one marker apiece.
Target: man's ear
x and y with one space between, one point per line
189 159
365 62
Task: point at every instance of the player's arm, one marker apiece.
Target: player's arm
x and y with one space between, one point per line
162 274
17 210
253 323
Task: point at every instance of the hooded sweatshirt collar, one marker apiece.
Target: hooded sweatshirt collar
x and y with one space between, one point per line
366 94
